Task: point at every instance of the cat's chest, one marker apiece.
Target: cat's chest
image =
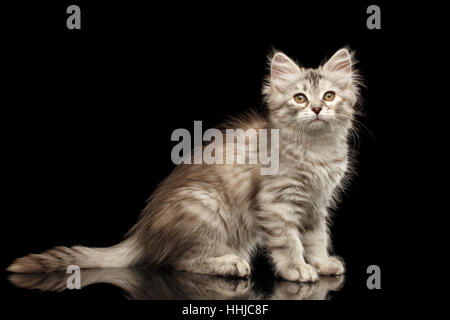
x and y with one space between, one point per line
322 169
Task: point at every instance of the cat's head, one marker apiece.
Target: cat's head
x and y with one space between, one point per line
312 101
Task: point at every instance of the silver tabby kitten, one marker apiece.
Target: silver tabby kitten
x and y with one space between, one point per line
210 219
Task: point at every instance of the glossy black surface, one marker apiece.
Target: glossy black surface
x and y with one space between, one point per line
141 284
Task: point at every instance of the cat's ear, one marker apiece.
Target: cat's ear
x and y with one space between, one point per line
283 71
340 63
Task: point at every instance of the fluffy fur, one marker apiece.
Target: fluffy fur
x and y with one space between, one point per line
211 219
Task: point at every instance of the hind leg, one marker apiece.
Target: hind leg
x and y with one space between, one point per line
229 265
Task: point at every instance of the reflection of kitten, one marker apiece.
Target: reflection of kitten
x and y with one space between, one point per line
211 218
145 284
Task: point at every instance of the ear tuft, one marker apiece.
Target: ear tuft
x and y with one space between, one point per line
282 70
341 61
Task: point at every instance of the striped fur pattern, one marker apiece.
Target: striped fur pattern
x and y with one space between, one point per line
211 219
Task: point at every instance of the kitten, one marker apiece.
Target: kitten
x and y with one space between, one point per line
211 219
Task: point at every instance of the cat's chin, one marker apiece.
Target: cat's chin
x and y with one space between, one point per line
317 124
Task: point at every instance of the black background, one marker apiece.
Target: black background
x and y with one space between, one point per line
87 117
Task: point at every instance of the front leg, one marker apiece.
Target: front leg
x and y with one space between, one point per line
284 246
316 242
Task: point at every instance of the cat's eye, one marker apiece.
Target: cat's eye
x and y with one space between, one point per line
329 96
300 98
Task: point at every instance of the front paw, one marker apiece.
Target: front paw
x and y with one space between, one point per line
300 272
329 266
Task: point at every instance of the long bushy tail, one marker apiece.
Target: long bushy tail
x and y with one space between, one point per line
124 254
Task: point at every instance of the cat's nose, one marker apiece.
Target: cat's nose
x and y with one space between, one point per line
316 110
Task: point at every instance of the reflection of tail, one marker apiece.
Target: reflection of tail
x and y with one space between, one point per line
145 284
124 254
128 279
